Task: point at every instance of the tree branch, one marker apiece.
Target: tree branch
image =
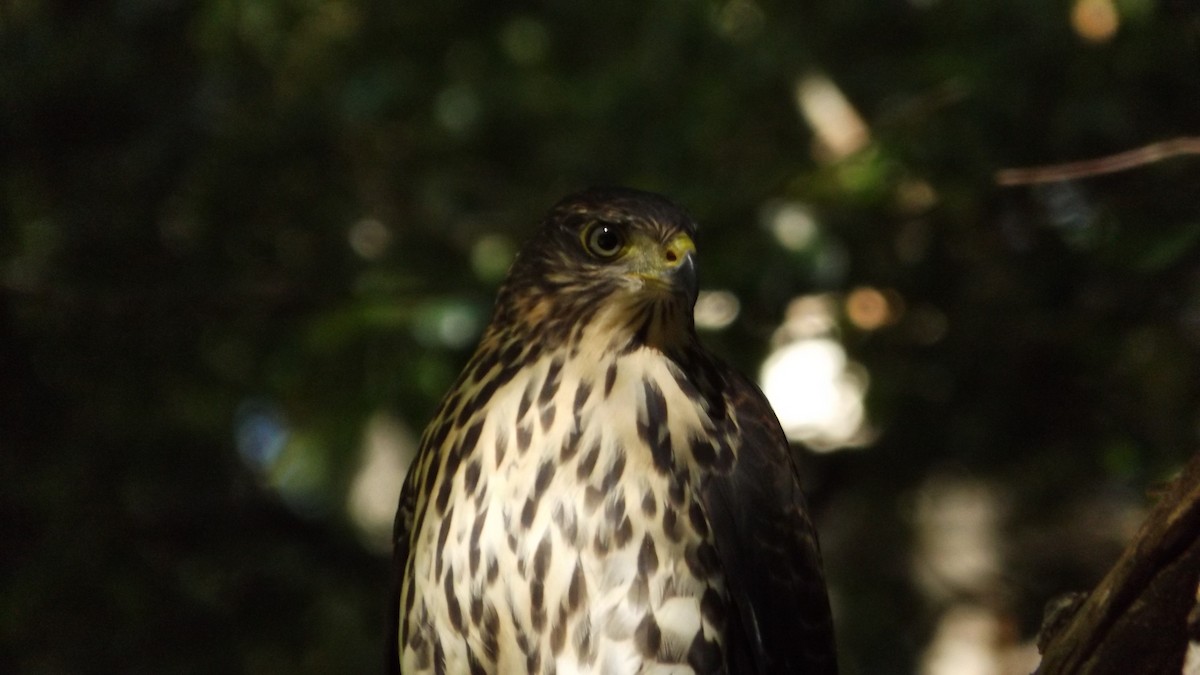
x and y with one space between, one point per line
1122 161
1136 621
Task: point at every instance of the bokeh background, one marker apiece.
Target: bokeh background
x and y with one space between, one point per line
245 245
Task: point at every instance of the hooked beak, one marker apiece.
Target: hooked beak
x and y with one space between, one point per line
680 258
672 266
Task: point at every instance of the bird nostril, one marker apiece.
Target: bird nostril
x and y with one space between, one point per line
672 256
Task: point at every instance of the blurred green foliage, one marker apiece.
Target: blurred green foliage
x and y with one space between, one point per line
302 206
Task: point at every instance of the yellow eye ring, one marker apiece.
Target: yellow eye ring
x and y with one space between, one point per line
604 240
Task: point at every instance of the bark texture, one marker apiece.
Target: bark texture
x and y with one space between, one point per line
1135 622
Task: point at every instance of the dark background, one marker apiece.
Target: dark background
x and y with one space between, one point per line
245 246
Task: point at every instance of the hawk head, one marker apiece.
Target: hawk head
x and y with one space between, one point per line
613 267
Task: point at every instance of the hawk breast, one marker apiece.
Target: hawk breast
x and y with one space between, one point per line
573 539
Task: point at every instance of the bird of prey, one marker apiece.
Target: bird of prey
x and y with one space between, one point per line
597 493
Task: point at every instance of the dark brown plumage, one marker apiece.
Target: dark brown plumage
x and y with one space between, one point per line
597 492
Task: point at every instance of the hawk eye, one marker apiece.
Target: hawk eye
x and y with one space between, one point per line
604 240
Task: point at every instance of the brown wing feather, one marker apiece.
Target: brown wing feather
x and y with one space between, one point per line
768 547
401 529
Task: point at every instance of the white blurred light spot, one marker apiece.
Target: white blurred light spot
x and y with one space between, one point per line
1191 659
452 324
839 129
369 238
816 394
792 225
457 326
975 640
716 309
961 645
957 548
808 316
388 449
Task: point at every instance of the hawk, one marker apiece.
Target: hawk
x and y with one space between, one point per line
597 493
